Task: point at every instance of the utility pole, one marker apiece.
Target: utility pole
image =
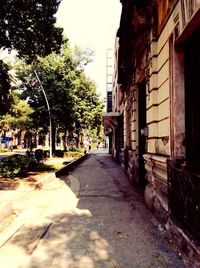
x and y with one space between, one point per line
49 111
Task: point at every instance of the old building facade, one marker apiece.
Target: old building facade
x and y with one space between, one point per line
155 119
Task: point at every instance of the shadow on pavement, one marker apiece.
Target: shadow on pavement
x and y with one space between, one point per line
107 226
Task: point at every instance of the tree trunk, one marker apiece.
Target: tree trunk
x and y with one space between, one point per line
53 138
64 140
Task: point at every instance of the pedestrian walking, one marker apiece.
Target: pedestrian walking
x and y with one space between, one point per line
98 143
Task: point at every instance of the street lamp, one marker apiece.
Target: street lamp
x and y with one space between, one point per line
48 107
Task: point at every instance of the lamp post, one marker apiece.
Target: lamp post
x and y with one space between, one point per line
49 111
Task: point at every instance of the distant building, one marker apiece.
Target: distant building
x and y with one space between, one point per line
109 74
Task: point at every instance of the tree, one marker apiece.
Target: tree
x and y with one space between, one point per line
17 119
87 104
29 27
19 115
71 95
5 98
56 73
82 57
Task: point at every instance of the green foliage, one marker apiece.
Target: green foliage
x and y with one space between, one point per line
71 95
46 153
72 154
5 99
59 153
73 149
29 27
41 154
18 115
30 153
88 106
15 165
4 150
55 73
82 57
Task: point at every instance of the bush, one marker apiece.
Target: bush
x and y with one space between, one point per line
4 150
72 154
59 153
16 165
29 153
39 155
46 154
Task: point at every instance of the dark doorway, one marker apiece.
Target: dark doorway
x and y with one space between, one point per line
192 101
110 143
119 136
142 131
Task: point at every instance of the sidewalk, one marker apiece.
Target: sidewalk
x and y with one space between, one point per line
91 218
18 197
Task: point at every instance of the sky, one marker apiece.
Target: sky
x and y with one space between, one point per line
91 24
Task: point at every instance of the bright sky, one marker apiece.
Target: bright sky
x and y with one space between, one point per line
91 24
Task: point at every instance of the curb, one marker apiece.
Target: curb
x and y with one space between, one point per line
6 209
63 171
70 166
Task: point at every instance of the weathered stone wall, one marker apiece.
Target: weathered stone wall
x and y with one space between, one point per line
159 101
161 64
156 189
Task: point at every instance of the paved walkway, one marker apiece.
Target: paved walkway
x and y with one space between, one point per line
92 218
